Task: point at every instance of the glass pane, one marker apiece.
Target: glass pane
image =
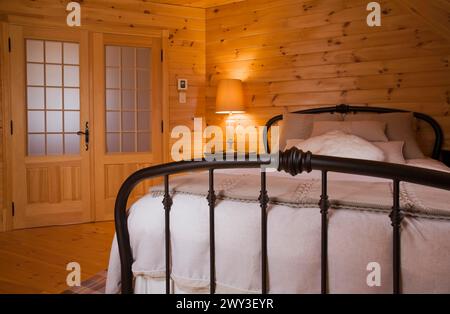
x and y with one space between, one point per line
128 144
112 56
144 121
71 53
128 87
54 144
59 96
112 142
112 78
112 99
36 144
53 74
128 121
72 144
35 97
35 74
36 121
128 100
71 76
144 142
128 57
71 121
35 50
143 77
54 97
53 52
143 98
54 121
143 57
128 79
112 121
71 98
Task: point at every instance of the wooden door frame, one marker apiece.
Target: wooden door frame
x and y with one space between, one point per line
6 204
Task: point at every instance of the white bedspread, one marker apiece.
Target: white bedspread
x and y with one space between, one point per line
356 238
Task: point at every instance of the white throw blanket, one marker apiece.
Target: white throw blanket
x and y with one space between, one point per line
357 236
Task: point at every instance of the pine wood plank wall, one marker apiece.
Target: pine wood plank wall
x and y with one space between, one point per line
295 54
197 3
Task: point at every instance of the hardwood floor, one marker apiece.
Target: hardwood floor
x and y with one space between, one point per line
34 260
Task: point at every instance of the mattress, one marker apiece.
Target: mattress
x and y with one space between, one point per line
358 237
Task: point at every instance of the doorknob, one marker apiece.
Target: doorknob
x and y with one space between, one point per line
86 135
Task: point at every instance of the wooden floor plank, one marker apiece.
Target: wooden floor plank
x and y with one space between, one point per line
34 260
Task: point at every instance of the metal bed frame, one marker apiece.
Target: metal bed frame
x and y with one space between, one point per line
293 161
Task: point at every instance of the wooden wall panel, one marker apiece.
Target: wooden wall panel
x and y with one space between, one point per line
300 54
198 3
115 174
435 13
53 184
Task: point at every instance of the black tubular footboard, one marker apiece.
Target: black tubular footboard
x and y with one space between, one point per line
293 161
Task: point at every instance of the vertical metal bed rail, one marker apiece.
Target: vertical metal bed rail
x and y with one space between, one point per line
212 250
167 202
324 205
396 219
263 201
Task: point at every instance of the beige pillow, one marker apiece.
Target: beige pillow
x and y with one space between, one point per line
369 130
399 127
393 151
295 125
428 163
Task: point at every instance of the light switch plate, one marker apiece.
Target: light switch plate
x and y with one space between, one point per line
182 84
182 97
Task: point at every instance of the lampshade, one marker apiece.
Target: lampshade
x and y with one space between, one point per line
230 96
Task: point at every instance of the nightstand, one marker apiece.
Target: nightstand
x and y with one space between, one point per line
445 157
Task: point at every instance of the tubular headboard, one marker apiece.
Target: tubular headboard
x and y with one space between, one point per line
439 135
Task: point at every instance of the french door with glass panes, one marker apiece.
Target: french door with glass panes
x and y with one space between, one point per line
49 106
86 113
127 114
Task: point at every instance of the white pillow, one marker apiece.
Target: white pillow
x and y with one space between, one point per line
340 144
292 142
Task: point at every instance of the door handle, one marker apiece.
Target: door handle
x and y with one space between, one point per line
86 135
